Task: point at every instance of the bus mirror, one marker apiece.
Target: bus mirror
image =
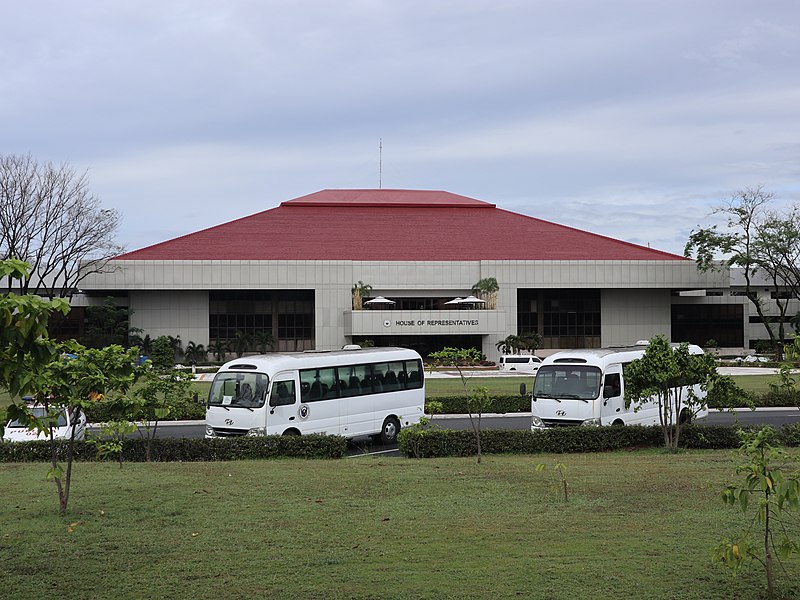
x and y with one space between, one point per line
523 390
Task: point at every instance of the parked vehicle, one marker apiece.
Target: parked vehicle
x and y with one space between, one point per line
520 362
351 392
18 432
587 387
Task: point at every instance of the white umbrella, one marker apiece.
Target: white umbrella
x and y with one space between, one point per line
380 300
454 301
472 300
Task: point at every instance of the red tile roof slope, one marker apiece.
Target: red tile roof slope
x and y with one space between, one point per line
392 225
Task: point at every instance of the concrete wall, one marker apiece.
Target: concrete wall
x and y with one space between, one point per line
170 297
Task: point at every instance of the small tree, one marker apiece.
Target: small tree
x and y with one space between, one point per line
668 375
75 379
264 340
195 353
478 399
242 342
163 354
509 345
776 494
158 394
218 349
360 290
487 289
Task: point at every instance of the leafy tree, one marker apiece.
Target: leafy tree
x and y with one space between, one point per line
106 324
776 494
111 440
24 341
75 379
478 399
163 354
50 219
487 289
668 375
158 394
756 240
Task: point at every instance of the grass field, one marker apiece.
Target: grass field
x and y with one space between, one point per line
638 525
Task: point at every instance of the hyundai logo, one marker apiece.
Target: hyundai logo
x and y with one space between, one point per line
561 413
228 421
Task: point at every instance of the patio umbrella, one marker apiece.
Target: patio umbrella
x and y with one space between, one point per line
455 301
472 300
380 300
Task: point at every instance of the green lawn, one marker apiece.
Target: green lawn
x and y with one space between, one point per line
638 525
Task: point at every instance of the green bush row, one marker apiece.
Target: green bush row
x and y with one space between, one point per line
101 412
433 442
457 405
190 449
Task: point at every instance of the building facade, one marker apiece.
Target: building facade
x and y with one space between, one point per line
289 272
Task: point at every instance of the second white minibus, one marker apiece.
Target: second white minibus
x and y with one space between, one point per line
358 392
587 387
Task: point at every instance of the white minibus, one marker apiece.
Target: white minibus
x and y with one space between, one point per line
587 387
351 392
526 363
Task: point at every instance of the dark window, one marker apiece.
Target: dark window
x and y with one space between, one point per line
699 323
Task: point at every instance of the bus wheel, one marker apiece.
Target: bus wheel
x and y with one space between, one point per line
291 432
389 431
618 423
686 417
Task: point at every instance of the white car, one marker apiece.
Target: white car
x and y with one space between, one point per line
17 432
520 362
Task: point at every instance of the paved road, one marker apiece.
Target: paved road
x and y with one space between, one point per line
777 417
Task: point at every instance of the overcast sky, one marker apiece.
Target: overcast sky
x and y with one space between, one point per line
632 119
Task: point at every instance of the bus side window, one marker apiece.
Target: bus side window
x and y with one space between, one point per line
612 387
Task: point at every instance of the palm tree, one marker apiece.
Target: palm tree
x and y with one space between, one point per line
242 342
218 349
360 290
487 289
264 340
510 345
530 341
195 353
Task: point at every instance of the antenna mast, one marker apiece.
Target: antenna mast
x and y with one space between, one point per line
380 163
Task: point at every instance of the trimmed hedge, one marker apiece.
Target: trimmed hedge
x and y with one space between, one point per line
457 405
432 442
190 449
100 412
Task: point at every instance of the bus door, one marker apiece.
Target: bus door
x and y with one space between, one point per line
320 405
282 409
613 407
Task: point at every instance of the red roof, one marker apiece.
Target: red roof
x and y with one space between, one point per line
392 225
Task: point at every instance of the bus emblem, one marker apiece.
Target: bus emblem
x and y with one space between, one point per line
561 413
228 421
304 411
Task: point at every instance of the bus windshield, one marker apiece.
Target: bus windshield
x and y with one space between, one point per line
579 382
238 390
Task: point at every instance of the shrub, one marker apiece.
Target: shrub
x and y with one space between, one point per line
192 449
102 412
429 443
457 405
789 435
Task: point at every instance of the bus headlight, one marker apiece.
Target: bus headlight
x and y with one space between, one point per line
210 431
592 422
536 422
257 431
